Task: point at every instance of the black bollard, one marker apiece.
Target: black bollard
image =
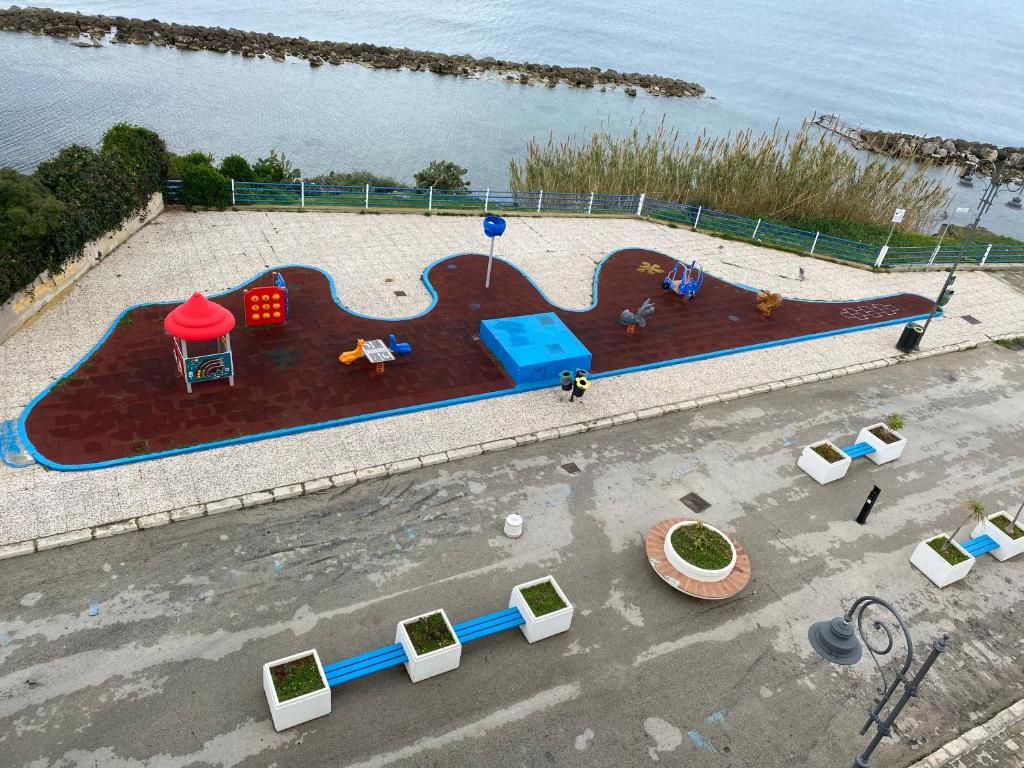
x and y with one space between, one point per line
862 518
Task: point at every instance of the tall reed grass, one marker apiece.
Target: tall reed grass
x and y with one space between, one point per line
774 175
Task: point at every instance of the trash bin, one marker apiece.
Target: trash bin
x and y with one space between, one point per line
910 337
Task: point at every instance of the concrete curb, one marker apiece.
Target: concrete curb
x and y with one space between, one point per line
318 485
977 735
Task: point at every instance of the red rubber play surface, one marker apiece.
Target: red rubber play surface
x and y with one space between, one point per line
127 400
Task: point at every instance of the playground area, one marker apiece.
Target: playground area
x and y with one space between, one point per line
125 400
376 264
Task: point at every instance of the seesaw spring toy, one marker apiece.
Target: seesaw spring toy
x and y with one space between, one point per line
632 319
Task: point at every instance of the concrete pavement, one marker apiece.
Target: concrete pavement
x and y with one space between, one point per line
167 673
371 257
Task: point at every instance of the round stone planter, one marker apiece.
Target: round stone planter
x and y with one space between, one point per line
691 570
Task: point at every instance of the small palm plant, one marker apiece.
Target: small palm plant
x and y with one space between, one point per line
975 513
1013 523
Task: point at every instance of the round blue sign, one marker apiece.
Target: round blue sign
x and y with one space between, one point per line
494 226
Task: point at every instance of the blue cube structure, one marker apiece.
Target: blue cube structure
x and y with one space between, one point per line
534 348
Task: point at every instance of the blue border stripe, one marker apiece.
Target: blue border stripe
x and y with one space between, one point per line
34 452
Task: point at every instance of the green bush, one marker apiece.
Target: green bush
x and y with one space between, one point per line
442 174
98 191
236 167
275 169
142 149
204 185
74 197
28 214
355 179
180 163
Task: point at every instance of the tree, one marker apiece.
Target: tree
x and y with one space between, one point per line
275 169
204 185
236 167
975 514
442 174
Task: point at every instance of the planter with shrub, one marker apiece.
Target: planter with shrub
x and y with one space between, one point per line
941 560
824 461
296 689
700 551
430 644
1007 533
544 606
885 438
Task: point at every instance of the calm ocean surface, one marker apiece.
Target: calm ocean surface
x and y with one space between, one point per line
950 68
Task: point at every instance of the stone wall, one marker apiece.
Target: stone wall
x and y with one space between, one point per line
21 307
86 30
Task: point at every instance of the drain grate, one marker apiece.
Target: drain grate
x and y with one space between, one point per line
697 503
571 468
401 293
971 319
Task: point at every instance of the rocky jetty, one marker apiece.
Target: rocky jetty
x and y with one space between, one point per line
934 149
120 29
939 149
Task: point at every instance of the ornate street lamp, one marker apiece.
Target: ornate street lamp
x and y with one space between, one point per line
999 177
837 641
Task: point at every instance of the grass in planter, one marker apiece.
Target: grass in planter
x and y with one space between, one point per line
429 633
1002 521
701 546
296 678
828 453
953 556
543 599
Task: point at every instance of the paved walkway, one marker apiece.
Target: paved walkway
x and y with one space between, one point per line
164 671
999 743
372 258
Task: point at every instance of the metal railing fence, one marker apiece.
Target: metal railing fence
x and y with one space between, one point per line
303 194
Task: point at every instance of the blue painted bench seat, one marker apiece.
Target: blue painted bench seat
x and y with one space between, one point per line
392 655
980 545
857 450
365 664
489 625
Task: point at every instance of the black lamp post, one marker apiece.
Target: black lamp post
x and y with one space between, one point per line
837 641
999 177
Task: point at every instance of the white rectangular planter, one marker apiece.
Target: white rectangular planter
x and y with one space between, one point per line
1008 547
539 628
935 567
420 667
884 452
303 708
821 470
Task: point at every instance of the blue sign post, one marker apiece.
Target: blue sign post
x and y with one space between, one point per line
494 226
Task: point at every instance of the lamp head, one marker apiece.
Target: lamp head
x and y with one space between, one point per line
835 641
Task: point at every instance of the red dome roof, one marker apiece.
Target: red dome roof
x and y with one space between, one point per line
199 319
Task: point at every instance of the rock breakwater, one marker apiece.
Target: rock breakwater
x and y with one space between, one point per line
85 28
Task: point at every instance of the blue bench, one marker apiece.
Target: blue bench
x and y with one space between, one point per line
979 546
491 624
857 450
365 664
392 655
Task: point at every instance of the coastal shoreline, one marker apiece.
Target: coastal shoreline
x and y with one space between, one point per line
87 30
